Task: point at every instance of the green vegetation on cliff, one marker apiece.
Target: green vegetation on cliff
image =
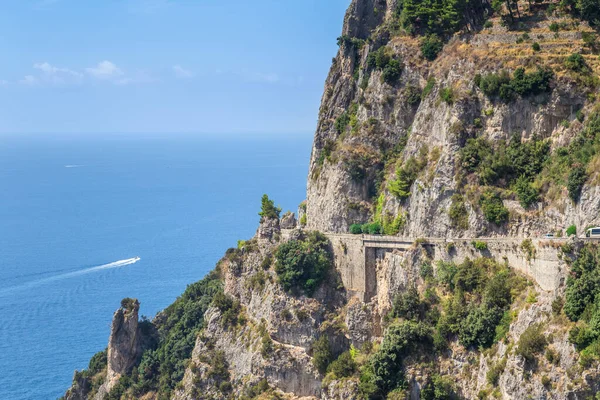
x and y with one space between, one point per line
303 264
469 302
582 302
162 368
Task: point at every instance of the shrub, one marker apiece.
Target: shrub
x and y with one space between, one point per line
428 87
390 67
479 328
438 388
303 220
303 264
344 366
521 83
431 46
575 182
392 71
576 62
408 305
446 272
572 230
218 368
413 95
526 193
400 340
582 285
557 305
230 309
554 27
481 246
373 228
493 208
528 248
268 209
355 229
531 342
495 371
536 46
447 95
321 354
488 24
552 356
407 173
342 122
266 345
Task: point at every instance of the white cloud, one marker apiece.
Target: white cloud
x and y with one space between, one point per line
58 75
28 80
105 70
182 73
261 77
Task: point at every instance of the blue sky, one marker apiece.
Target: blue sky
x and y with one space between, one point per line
207 66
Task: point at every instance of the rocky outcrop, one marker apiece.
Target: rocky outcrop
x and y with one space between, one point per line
80 388
124 345
288 221
350 164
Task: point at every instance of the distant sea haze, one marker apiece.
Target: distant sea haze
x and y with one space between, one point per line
90 219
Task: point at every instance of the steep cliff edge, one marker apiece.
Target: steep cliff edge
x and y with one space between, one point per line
387 110
452 137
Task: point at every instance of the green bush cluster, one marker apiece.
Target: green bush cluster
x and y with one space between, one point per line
572 230
303 264
407 173
479 245
503 164
493 207
575 181
431 46
373 228
459 216
532 342
576 62
439 388
525 191
442 17
477 309
507 88
230 309
568 165
390 68
344 366
384 372
447 95
356 165
582 302
321 354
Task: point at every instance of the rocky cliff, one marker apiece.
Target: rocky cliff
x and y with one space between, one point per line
451 137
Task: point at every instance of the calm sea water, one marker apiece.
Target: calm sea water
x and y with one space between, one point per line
75 212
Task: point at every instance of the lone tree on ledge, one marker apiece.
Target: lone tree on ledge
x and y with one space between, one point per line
268 209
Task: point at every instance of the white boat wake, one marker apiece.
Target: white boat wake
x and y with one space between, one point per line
26 285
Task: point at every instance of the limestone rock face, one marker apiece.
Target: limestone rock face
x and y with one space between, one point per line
80 388
288 221
268 228
124 345
349 166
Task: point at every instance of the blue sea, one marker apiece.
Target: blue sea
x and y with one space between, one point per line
76 211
